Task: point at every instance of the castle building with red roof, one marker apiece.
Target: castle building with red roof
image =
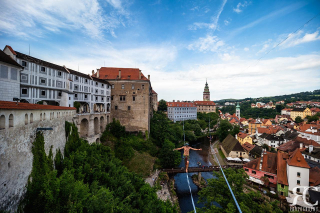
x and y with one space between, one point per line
132 97
180 111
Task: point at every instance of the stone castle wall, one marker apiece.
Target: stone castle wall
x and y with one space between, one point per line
16 156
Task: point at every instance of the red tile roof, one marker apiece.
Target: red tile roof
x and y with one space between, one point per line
314 176
269 163
282 168
247 146
112 73
180 104
297 159
307 142
269 129
27 106
204 103
10 48
242 135
153 92
242 119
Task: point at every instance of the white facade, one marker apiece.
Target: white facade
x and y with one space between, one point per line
310 134
9 81
180 113
57 85
296 175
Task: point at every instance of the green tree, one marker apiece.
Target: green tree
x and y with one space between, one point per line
116 128
313 118
162 105
279 108
224 129
168 157
77 105
298 119
217 191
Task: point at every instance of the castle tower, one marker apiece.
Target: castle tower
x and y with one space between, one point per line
238 111
206 93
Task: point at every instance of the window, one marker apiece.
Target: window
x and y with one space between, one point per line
281 193
96 98
254 172
102 85
122 97
75 87
247 170
112 86
97 84
43 92
31 118
111 97
2 122
76 95
142 86
122 86
4 72
77 78
298 189
24 63
116 107
101 98
85 96
26 119
14 74
59 73
298 182
42 81
133 98
10 120
43 69
24 91
298 174
132 86
59 93
96 91
129 107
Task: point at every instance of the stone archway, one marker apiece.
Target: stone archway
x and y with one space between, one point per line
84 128
96 126
102 125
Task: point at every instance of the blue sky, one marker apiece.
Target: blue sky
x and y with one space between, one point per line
239 46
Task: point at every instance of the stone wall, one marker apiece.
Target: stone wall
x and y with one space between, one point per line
16 156
133 112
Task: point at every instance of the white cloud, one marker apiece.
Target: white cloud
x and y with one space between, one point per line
214 20
239 6
300 38
35 18
226 22
246 49
233 79
208 43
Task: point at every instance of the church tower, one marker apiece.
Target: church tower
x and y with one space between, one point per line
206 93
238 111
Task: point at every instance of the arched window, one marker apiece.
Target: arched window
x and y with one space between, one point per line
10 120
40 116
31 118
26 119
2 122
44 116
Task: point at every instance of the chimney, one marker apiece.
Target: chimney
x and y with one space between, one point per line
119 74
98 73
173 100
139 74
92 72
301 145
310 148
149 77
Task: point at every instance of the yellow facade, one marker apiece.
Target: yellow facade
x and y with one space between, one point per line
252 127
302 114
247 139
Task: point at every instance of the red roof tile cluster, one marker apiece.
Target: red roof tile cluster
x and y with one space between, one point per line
306 142
269 130
112 73
315 110
282 168
204 103
247 146
153 92
242 135
269 163
297 159
242 119
314 176
180 104
27 106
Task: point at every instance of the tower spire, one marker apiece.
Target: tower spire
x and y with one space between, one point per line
206 92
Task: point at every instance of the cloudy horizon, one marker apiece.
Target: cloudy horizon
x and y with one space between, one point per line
243 48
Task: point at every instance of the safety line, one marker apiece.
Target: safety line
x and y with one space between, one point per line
191 195
234 198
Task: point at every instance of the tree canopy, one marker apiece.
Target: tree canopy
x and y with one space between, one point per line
162 105
217 197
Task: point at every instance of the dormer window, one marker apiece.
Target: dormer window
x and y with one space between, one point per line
129 76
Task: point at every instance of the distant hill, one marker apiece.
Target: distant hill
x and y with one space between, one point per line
301 96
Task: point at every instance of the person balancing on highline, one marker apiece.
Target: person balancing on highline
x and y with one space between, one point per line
186 149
